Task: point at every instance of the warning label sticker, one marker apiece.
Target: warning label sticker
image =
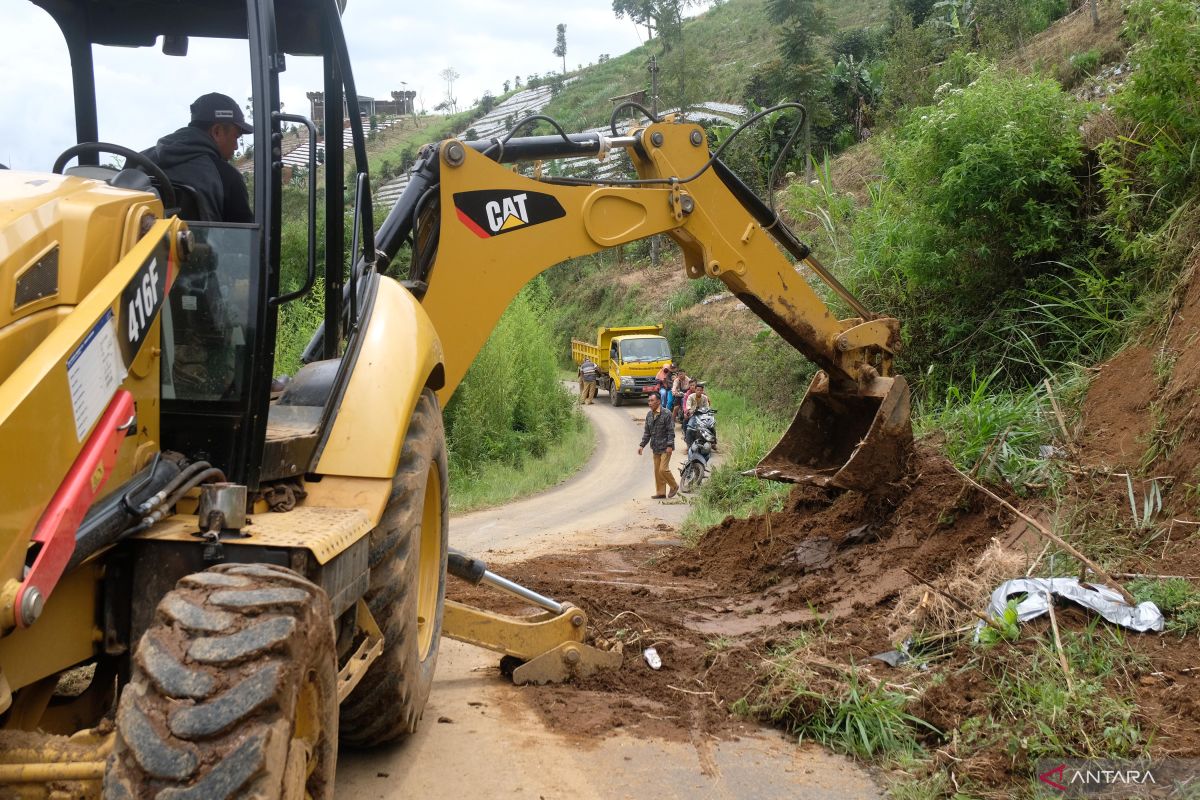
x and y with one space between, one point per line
95 372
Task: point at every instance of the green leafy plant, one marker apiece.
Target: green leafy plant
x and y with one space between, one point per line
1007 627
1177 598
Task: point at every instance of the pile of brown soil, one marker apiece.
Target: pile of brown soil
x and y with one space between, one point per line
833 561
1116 421
843 553
834 566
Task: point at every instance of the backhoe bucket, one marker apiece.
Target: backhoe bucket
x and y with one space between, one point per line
853 441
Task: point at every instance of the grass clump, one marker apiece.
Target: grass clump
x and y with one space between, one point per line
993 431
1033 714
693 293
1177 598
846 711
744 435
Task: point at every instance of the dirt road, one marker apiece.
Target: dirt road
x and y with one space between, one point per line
482 737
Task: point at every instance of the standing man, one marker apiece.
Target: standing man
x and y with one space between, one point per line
588 375
198 154
660 433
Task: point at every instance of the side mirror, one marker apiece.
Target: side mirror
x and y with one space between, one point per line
174 45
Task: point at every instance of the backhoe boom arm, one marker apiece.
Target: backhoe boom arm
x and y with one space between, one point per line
481 232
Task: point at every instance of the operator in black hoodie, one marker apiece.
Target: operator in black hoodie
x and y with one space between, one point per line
198 155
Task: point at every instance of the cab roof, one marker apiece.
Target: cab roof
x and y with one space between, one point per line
139 23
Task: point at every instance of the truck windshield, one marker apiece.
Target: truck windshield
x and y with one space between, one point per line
651 349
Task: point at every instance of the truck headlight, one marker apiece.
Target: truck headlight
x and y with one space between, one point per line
626 380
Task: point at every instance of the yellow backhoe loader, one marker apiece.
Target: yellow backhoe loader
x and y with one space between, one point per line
205 588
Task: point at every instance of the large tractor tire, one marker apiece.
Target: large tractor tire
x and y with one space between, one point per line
233 693
408 588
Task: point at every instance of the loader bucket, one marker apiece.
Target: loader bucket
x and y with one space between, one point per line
853 441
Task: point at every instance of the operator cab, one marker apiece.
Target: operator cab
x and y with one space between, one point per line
220 324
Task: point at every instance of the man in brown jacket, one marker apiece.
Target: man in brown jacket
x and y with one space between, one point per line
660 433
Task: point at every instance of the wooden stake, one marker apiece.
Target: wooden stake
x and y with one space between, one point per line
1062 657
1058 540
1057 412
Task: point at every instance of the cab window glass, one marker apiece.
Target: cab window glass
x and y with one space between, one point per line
205 327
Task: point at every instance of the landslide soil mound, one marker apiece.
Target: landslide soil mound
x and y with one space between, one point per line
843 553
714 613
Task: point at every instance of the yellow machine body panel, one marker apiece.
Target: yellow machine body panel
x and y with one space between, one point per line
64 350
400 355
64 635
532 226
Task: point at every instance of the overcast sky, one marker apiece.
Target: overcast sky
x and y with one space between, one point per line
144 94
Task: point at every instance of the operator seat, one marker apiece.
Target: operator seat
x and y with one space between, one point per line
191 205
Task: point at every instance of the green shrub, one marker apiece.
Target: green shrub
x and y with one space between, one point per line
984 421
1177 598
1151 171
1085 63
987 176
511 403
980 199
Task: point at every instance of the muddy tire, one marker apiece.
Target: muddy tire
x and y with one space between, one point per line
233 692
408 588
690 476
614 395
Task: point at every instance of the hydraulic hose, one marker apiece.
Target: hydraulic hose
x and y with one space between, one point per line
107 521
153 502
164 508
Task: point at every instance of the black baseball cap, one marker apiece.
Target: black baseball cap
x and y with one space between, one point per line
216 107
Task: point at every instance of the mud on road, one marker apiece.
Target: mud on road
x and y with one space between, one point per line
848 575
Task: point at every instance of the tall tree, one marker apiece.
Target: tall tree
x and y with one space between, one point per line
560 44
801 23
450 75
662 17
640 11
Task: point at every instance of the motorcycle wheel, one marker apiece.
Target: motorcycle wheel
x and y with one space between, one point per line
691 476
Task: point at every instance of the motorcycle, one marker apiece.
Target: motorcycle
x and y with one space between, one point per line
703 426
